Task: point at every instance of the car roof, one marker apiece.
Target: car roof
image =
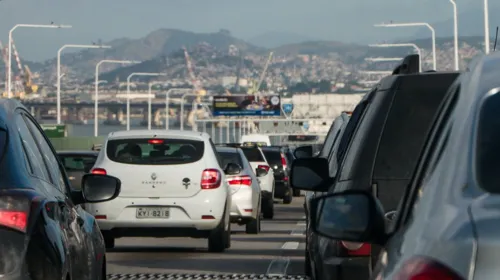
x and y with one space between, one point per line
78 152
226 149
145 133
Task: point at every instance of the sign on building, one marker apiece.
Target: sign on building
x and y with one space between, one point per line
250 105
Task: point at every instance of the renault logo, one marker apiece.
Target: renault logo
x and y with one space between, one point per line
153 176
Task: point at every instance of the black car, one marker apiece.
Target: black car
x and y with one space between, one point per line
276 158
44 232
379 150
77 164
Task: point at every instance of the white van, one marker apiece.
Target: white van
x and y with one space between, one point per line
255 139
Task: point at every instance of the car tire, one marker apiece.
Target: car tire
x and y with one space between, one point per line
288 198
296 193
307 265
109 241
253 227
268 209
219 238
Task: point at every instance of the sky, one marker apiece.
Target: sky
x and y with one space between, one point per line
340 20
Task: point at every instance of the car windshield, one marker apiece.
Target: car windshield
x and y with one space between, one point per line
154 151
230 157
253 155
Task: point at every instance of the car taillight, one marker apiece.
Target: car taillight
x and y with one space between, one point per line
357 249
265 167
155 141
421 268
240 180
98 171
210 179
14 212
283 161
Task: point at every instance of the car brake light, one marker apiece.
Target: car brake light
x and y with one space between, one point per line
265 167
421 268
210 179
14 212
155 141
99 171
283 161
240 180
357 249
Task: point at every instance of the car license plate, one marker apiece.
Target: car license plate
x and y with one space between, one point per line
152 213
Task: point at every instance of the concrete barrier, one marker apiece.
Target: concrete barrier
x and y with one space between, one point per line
76 143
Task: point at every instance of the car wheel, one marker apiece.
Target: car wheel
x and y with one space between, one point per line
288 198
307 265
268 209
109 241
296 193
218 238
253 226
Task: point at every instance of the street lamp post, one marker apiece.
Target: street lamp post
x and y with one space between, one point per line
128 90
455 33
9 67
59 71
151 84
486 28
402 45
96 85
411 24
167 104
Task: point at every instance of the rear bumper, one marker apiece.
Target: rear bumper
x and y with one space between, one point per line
186 215
282 189
242 204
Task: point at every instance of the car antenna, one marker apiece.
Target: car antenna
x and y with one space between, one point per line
496 38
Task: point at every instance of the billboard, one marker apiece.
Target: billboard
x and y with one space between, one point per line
248 105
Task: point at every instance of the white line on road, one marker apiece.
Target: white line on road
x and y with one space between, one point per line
291 245
303 217
299 229
278 267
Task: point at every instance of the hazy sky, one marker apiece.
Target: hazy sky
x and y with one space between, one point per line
341 20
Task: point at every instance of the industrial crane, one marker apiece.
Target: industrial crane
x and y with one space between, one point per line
255 89
24 72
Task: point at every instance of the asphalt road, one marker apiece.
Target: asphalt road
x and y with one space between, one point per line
278 252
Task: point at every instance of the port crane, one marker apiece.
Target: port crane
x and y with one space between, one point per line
23 82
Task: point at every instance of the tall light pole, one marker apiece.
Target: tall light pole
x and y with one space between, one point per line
96 85
455 33
128 90
402 45
486 27
412 24
151 84
59 71
9 67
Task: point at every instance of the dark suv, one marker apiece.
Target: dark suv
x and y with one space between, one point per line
276 158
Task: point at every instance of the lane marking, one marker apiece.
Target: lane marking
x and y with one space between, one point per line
304 217
299 230
291 245
278 267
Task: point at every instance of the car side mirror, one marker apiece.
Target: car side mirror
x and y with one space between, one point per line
232 169
99 188
355 216
311 174
261 172
303 152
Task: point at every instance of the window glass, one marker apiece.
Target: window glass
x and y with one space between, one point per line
273 157
76 163
230 157
253 154
488 144
155 151
3 141
34 155
50 158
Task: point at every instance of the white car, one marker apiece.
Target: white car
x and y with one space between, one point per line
172 186
245 190
258 161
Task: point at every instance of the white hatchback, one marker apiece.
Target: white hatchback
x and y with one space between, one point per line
172 186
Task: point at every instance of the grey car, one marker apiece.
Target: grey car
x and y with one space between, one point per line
77 164
447 224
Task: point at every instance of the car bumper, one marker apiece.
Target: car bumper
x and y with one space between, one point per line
242 204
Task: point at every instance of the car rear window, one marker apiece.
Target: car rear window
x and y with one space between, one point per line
229 157
253 155
77 162
273 157
155 151
3 141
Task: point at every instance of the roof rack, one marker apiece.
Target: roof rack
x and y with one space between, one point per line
409 65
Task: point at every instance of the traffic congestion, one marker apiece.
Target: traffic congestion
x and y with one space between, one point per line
402 187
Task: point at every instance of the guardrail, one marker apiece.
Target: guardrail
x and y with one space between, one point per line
76 143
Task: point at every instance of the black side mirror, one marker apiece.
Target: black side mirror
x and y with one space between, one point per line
232 169
100 188
303 152
353 215
261 172
311 174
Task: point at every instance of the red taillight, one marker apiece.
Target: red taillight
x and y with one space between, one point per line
155 141
210 179
14 212
357 249
421 268
265 167
283 161
98 171
240 180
